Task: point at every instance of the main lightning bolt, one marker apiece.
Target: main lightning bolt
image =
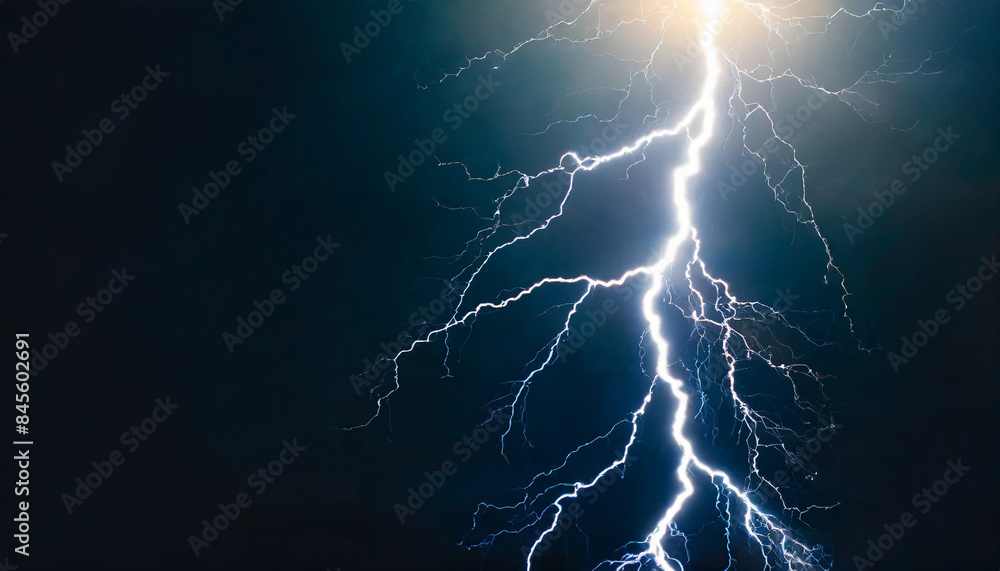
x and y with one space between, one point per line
709 304
759 525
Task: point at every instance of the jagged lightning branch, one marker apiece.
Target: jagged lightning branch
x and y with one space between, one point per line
715 308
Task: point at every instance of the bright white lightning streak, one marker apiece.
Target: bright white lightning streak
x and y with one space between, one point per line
755 519
795 553
766 531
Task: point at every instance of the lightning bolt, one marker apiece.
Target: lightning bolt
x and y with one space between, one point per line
708 302
757 523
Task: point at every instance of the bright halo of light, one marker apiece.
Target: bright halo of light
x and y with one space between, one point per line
711 9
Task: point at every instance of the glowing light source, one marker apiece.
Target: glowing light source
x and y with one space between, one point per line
712 9
703 11
711 304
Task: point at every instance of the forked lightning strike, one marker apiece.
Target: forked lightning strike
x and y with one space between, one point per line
709 304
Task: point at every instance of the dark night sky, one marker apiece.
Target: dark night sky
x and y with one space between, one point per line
322 177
